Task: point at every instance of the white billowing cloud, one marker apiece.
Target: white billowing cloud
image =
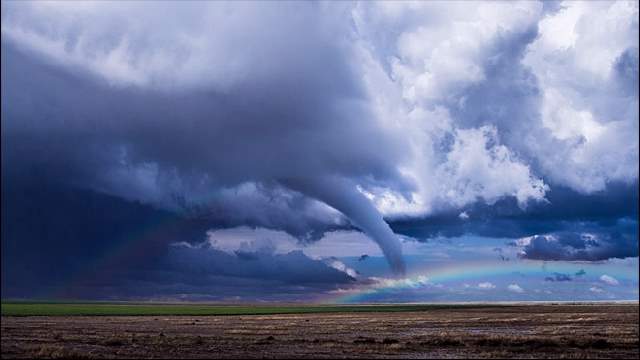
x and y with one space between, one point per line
439 45
478 167
431 55
584 36
596 290
266 242
609 280
349 243
169 46
340 266
412 283
339 243
423 60
74 29
252 240
486 286
474 166
587 101
515 288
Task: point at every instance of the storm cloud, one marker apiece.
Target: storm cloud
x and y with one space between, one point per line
291 124
583 246
393 118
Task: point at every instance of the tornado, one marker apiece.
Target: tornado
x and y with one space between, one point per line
343 196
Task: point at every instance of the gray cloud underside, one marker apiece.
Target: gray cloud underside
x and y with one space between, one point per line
620 241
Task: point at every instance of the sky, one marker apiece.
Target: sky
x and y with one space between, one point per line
339 152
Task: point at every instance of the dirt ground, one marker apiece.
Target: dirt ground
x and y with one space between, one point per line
540 331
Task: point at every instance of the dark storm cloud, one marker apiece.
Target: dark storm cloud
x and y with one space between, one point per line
50 234
626 67
611 216
196 157
558 277
100 246
304 122
206 274
230 138
620 242
565 210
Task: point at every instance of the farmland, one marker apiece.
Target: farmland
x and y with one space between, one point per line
104 330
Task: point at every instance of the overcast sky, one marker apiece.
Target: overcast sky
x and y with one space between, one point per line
320 151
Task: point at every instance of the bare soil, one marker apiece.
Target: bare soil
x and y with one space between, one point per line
531 331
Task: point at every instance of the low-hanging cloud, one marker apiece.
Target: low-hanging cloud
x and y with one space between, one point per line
581 246
283 115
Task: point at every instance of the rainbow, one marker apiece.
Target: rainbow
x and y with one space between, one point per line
137 245
479 271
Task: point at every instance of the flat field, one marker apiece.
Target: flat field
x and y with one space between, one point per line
102 330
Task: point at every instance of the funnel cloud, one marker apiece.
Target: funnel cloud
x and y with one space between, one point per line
344 196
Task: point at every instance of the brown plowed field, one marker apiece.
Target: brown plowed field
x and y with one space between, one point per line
532 331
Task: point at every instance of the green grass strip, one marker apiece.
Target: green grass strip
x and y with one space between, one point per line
128 309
